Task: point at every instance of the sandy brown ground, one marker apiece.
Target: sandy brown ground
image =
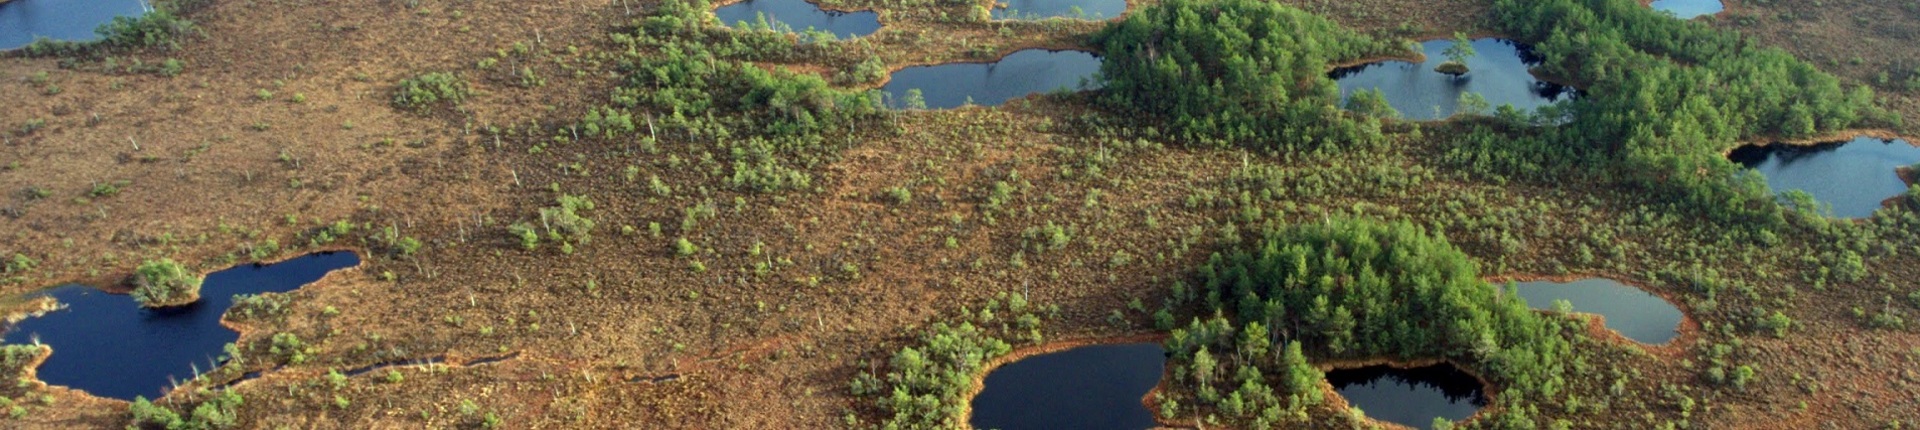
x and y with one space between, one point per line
622 333
1856 40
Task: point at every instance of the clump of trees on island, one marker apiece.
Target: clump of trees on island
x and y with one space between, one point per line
1457 55
161 283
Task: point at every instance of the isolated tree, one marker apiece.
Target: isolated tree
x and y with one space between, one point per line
1457 56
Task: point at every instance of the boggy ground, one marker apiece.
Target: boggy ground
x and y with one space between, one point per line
800 289
1864 43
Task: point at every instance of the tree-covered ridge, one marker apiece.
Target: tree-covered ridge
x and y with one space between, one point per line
1347 290
1236 71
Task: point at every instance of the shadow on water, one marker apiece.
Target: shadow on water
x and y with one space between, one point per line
1688 9
1412 397
1853 177
988 84
1498 72
800 15
21 21
1076 9
109 346
1090 387
1636 314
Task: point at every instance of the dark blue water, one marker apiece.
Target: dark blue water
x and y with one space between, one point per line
22 21
1688 9
1498 72
800 15
1042 9
1853 177
1412 397
109 346
1092 387
988 84
1636 314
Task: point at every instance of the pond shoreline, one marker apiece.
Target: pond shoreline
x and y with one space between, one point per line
46 303
817 5
1049 48
1840 136
1686 332
118 284
1488 391
980 378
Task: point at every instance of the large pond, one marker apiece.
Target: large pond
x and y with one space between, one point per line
1853 177
1688 9
1041 9
1636 314
109 346
1497 72
987 84
1092 387
799 15
1411 397
22 21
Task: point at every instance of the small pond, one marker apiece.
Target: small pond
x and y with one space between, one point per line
1042 9
1091 387
1411 397
109 346
799 15
1498 72
988 84
1636 314
1688 9
1854 177
22 21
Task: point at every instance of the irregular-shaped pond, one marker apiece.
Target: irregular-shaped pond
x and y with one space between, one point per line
111 347
1411 397
987 84
1090 387
1042 9
22 21
1854 176
1688 9
1498 73
799 15
1636 314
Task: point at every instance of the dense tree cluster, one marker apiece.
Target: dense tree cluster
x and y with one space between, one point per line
1237 72
1350 289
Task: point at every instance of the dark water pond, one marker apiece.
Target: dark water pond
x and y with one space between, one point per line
1688 9
1498 73
1636 314
22 21
1853 176
988 84
111 347
1412 397
799 15
1092 387
1042 9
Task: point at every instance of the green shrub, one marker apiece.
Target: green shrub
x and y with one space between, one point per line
421 93
164 283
